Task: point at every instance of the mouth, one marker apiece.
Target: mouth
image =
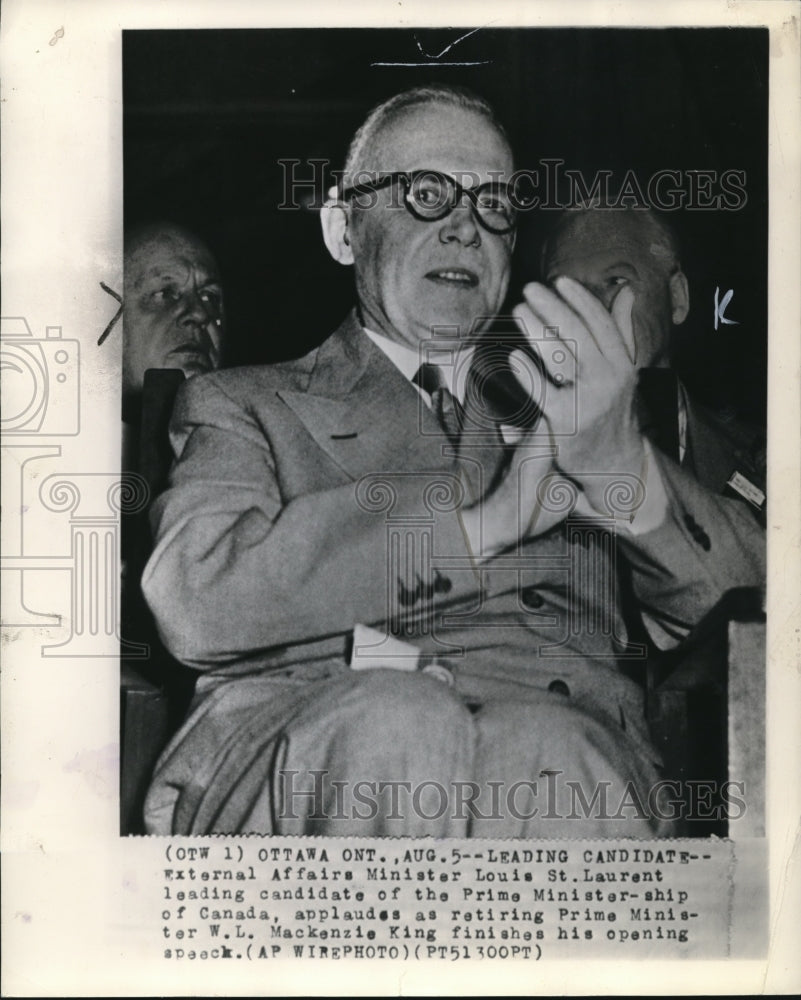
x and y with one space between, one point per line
454 277
192 351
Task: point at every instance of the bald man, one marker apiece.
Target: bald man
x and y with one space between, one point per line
173 318
379 598
173 313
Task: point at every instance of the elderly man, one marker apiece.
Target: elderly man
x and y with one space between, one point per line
173 311
174 319
609 250
396 633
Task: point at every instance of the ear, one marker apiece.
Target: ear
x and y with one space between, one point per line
334 219
679 297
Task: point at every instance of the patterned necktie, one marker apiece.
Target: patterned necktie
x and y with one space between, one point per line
447 408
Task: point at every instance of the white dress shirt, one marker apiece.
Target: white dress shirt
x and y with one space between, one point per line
454 364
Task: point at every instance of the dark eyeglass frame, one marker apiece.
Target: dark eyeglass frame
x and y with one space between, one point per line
407 180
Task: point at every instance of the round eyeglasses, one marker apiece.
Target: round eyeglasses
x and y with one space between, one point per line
429 195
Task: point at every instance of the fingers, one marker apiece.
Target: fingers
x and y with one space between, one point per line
596 318
589 361
524 369
558 352
608 337
621 314
578 320
586 320
556 402
543 308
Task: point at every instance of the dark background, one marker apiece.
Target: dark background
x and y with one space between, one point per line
208 115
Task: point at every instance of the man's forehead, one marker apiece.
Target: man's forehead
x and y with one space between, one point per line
172 252
441 136
607 236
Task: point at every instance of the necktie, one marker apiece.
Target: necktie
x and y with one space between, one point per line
447 408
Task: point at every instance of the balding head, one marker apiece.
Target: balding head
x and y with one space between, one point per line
364 152
173 314
424 250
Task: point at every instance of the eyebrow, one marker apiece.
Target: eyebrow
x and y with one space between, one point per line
620 265
179 274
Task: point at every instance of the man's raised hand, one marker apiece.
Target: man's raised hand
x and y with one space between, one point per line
601 395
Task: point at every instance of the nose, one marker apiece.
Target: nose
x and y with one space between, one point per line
194 310
461 226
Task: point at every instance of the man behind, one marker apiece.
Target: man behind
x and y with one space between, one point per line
173 326
324 516
173 311
608 250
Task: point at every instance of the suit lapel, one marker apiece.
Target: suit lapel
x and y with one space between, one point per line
363 412
705 458
716 449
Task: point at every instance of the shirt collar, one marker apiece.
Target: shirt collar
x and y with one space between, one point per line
454 365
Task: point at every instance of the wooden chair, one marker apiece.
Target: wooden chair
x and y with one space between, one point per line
706 710
154 691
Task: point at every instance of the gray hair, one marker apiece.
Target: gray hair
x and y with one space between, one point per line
365 137
657 228
154 230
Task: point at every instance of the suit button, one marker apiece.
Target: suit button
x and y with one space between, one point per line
559 687
532 598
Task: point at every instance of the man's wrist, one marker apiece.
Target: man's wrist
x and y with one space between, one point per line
651 512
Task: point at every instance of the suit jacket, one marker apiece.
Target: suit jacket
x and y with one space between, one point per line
719 446
316 494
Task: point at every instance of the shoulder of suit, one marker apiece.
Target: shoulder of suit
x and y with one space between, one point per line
746 442
726 423
248 384
243 382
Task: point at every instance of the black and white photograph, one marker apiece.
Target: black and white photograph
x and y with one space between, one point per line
399 552
450 547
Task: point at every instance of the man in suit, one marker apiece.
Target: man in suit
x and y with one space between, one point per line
173 317
398 631
609 250
173 327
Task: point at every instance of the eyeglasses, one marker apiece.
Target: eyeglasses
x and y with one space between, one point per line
429 195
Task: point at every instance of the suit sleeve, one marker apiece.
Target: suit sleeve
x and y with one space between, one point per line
707 545
237 569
